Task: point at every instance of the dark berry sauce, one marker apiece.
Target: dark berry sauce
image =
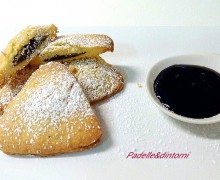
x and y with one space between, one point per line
189 90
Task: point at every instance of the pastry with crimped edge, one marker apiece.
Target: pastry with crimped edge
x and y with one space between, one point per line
98 79
24 47
70 47
49 116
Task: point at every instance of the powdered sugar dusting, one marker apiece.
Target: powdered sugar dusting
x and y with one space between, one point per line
98 79
57 98
48 100
86 45
84 40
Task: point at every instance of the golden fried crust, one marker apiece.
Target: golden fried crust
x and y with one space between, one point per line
50 115
98 79
71 47
23 47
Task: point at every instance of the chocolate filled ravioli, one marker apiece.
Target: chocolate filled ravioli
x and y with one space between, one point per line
23 48
49 116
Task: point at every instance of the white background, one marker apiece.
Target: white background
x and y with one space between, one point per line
110 12
130 120
127 128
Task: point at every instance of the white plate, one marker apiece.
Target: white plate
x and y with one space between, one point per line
207 60
130 120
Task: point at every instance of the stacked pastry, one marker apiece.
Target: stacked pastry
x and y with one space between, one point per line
47 85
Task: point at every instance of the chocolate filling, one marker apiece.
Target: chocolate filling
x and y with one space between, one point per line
28 49
61 57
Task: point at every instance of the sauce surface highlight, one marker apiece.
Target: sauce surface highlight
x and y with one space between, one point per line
189 90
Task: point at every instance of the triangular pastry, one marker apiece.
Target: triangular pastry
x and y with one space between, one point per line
23 47
50 115
98 79
70 47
